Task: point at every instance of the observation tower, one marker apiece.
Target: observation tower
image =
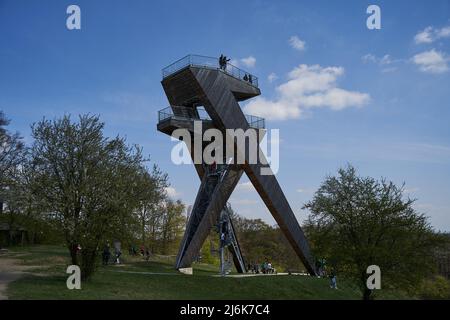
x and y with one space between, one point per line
199 89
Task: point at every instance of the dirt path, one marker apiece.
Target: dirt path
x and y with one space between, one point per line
11 269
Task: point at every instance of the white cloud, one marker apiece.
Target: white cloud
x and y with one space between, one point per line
424 36
249 61
431 61
307 87
234 62
444 32
172 192
431 34
272 77
297 44
386 60
383 61
369 58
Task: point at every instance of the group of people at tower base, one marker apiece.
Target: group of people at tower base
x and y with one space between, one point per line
322 270
265 268
106 254
108 258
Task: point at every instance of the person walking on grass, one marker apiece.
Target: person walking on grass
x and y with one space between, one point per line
147 254
333 280
106 254
117 251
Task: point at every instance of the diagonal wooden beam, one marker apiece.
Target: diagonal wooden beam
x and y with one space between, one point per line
196 235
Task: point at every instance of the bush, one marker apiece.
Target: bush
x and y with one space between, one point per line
435 288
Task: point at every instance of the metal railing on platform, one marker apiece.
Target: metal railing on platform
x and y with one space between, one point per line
209 63
167 113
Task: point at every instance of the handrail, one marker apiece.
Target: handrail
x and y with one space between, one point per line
211 63
167 113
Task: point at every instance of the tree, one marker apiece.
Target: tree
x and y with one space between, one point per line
11 155
172 225
23 208
87 181
151 193
260 241
358 221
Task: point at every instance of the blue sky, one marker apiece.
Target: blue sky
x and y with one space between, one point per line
378 99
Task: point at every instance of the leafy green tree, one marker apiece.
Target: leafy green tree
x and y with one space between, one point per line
435 288
151 192
172 225
358 221
23 207
259 242
87 182
12 151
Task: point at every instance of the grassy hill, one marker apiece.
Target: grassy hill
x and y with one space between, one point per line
156 279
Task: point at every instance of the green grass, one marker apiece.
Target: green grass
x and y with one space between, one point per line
125 282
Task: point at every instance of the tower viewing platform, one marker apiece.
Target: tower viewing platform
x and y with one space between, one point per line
187 100
167 115
193 60
180 80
